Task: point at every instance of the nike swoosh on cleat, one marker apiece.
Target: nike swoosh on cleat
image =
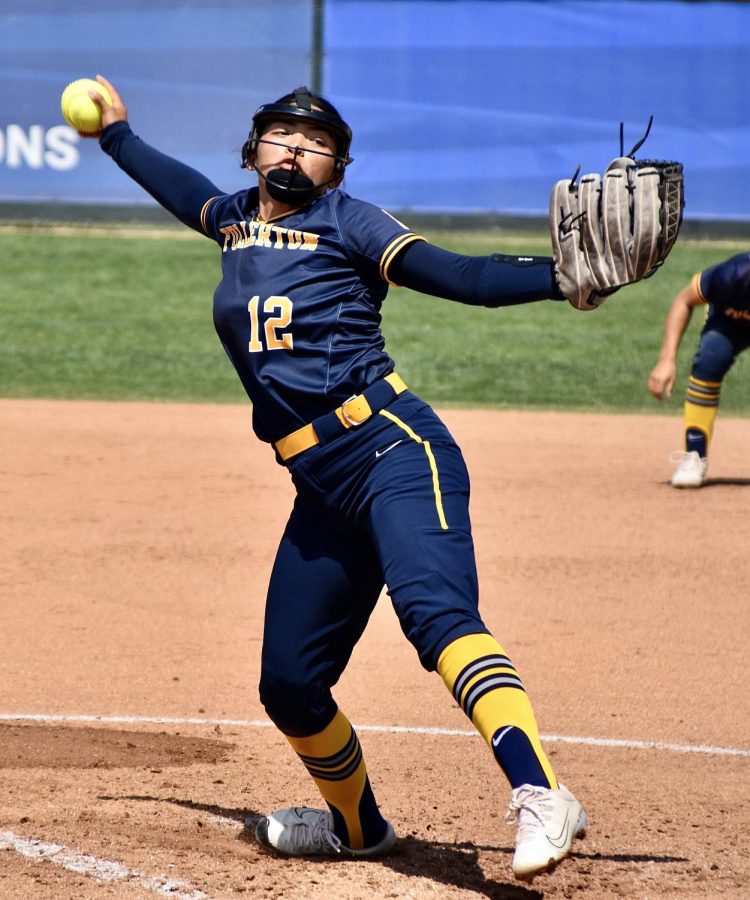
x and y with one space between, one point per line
561 840
379 453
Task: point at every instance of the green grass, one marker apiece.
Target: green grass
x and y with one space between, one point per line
108 314
103 316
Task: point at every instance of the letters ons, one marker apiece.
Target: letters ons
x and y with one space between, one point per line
37 147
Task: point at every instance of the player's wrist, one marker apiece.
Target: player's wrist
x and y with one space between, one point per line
556 293
110 133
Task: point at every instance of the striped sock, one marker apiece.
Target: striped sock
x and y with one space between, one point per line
699 413
486 685
333 757
696 440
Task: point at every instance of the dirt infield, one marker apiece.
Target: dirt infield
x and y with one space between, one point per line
136 544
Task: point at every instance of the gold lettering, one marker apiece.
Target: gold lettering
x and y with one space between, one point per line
264 232
310 241
236 237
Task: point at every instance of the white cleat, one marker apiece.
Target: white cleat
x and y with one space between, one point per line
690 471
547 822
302 831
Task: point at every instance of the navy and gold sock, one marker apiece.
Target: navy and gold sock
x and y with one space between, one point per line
699 413
486 685
695 440
334 759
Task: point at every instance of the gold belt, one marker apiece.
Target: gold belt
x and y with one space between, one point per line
353 412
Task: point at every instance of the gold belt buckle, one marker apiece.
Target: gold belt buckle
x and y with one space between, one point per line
352 423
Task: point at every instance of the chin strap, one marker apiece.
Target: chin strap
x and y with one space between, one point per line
290 185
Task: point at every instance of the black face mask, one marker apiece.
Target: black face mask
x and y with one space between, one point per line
289 186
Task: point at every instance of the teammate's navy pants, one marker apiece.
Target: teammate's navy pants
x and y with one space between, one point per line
720 344
386 503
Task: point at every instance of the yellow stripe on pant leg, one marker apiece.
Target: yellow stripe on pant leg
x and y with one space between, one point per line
431 460
469 666
333 758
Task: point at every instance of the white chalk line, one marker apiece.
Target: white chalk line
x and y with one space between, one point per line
109 870
382 729
100 869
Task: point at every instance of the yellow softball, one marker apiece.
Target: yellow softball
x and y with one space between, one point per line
78 109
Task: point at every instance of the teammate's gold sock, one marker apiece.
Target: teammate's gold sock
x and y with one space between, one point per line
334 758
485 684
699 413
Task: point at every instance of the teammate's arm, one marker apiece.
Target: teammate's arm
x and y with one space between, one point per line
497 280
663 375
178 188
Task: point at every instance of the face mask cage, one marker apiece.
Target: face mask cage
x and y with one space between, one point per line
300 110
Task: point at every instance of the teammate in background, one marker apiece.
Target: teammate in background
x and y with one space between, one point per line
382 488
725 289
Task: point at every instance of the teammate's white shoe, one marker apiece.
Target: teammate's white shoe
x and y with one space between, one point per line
690 471
547 822
302 831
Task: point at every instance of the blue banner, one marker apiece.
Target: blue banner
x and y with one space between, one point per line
457 106
191 73
480 106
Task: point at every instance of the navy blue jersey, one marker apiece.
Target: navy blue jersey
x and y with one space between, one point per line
726 287
298 306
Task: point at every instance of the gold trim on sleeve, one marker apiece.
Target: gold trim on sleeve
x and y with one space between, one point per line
392 251
697 286
204 211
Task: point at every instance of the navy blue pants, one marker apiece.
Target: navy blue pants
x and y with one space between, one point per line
387 503
721 342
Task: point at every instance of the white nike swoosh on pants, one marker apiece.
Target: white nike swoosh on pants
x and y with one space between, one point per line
379 453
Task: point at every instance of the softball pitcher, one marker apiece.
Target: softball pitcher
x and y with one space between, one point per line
382 492
724 291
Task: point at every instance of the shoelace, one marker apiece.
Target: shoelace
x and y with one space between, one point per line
680 457
316 834
528 808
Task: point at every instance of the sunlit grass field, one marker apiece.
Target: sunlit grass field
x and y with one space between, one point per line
125 314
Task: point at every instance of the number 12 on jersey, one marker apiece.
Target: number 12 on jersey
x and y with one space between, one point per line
278 314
